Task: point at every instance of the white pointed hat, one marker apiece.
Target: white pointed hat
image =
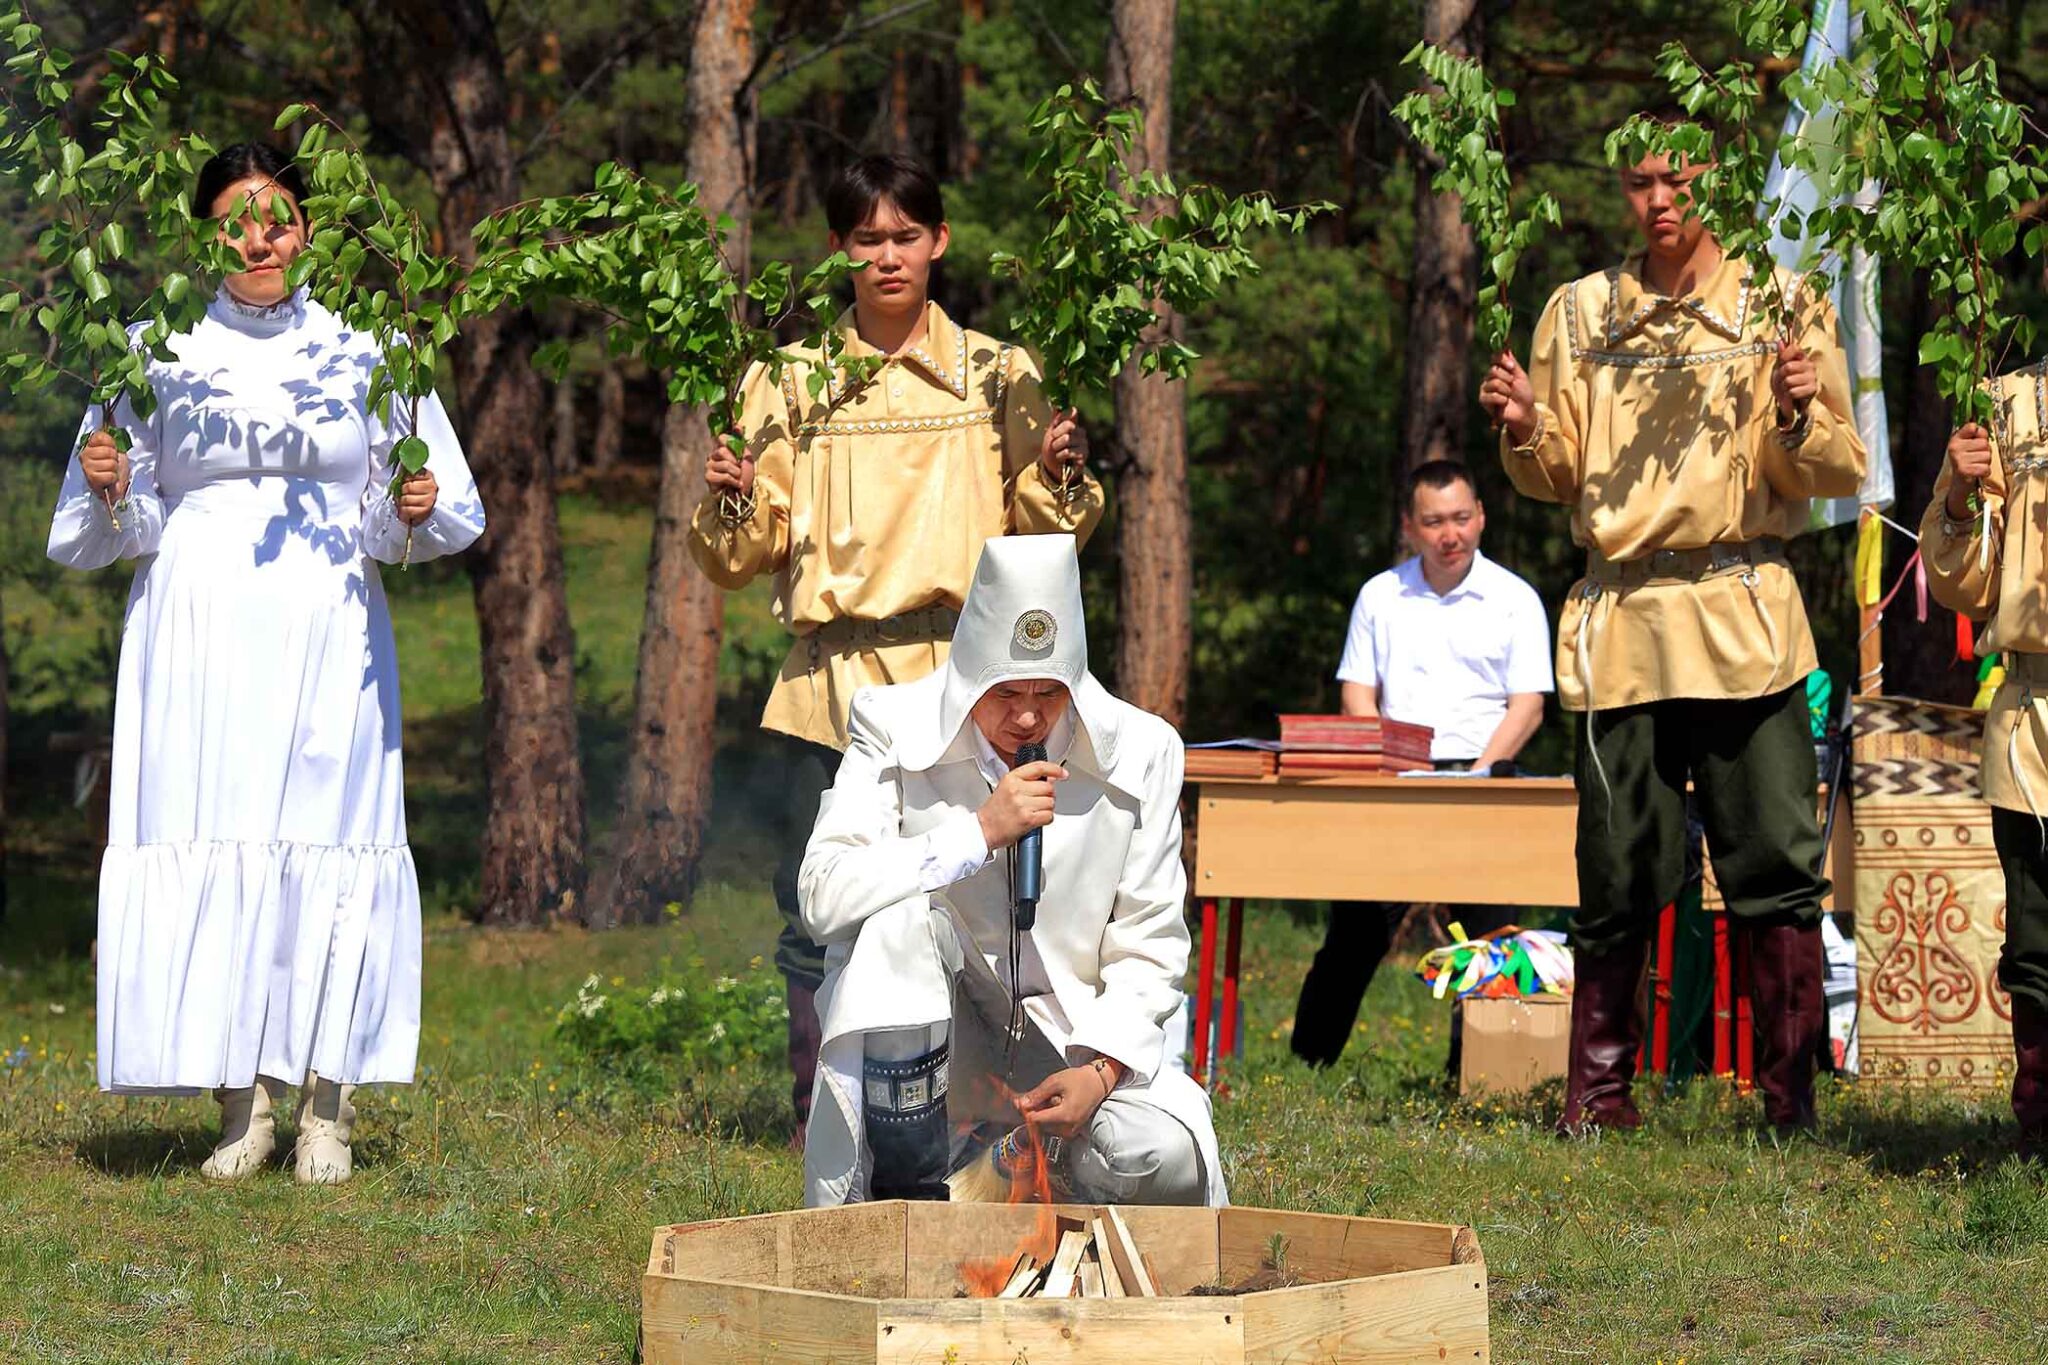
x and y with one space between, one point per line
1022 620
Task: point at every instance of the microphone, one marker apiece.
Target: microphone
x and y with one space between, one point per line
1028 872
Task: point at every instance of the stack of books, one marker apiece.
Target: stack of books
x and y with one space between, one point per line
1245 759
1312 746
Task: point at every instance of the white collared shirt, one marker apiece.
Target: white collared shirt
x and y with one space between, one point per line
1449 661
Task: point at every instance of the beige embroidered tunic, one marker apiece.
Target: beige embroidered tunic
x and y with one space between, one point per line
872 500
1656 426
2008 586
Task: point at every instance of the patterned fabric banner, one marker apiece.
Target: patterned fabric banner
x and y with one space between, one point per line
1930 900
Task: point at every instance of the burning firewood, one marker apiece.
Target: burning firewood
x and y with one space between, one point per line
1023 1279
1091 1258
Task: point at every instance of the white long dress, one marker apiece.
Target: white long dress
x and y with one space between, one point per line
259 910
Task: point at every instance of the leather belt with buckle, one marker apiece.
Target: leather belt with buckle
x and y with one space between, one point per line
907 627
1684 566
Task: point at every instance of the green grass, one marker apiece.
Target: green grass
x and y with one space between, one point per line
503 1203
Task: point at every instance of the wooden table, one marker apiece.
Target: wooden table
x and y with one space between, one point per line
1463 840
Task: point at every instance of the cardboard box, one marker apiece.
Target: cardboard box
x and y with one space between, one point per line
1511 1045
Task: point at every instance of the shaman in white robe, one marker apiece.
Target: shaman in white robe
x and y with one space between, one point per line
258 906
1100 973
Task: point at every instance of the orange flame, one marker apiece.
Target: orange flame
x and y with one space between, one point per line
1030 1183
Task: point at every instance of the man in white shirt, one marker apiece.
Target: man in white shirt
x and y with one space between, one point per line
1447 639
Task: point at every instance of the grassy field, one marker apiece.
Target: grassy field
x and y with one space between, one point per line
503 1203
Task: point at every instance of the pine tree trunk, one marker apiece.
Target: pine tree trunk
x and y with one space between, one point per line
608 442
667 792
567 439
899 102
533 838
1442 282
1154 536
1920 657
966 150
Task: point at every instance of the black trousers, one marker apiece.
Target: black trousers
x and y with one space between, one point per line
807 773
2023 857
1754 776
1358 938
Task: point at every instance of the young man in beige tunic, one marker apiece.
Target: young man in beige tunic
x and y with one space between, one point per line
1686 437
1999 488
869 501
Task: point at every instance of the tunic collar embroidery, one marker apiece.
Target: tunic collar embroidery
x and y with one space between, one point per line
257 319
1631 304
942 338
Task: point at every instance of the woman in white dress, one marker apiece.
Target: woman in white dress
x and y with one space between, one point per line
259 916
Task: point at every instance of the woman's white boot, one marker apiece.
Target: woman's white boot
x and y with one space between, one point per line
326 1120
248 1130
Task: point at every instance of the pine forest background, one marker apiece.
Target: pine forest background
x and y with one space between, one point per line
1347 361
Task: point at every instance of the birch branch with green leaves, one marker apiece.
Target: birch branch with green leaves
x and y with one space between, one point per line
66 318
645 259
1105 255
1458 124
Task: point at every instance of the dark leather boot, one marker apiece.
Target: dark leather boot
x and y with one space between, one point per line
2030 1076
906 1126
1788 1008
1607 1033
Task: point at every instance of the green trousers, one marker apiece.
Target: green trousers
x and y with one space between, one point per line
2023 856
1753 775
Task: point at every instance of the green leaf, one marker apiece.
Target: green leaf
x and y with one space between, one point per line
410 454
290 114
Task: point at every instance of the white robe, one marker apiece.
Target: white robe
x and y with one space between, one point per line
258 907
1110 939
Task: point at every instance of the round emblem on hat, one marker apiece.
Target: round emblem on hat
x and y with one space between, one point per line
1036 630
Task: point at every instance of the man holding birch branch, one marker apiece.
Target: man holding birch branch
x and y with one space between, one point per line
867 495
1686 426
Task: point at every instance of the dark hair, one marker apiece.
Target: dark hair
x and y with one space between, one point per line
231 165
1672 114
851 198
1436 474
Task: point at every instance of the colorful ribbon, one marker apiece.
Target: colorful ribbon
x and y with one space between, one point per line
1512 963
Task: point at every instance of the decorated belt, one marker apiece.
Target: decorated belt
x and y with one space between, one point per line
2031 669
1684 566
908 627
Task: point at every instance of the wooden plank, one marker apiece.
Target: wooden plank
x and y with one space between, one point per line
1098 1232
1023 1279
708 1322
1525 858
1089 1279
858 1249
1326 1246
1080 1331
1423 1317
1130 1265
1179 1243
1059 1281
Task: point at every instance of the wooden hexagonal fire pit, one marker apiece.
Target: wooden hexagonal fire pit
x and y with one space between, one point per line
889 1282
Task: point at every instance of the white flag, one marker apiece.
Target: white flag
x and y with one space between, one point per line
1836 35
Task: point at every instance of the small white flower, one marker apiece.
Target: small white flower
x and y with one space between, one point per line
591 982
717 1032
726 983
589 1005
